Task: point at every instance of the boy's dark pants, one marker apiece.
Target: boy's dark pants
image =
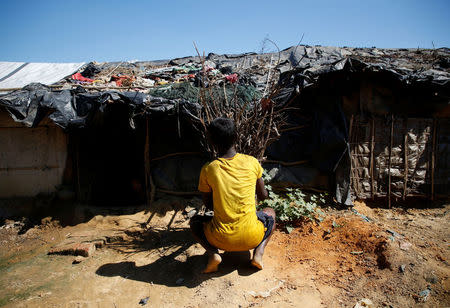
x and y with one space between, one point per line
197 221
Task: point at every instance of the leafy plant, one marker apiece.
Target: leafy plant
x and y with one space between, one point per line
294 205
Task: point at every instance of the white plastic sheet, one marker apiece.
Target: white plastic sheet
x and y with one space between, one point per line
19 74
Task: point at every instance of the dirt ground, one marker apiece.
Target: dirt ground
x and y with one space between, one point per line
386 256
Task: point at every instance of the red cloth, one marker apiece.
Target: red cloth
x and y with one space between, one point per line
120 79
232 78
79 77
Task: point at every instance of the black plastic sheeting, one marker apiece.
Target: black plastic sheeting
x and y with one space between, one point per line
298 68
73 108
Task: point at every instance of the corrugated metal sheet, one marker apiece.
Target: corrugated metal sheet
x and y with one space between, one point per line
19 74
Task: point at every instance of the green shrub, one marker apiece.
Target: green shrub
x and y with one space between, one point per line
293 205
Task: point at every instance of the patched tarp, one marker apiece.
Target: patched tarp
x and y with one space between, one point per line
298 69
72 108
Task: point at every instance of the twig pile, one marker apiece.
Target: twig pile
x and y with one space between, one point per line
258 122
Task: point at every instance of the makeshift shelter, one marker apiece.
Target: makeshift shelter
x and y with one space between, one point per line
32 160
130 127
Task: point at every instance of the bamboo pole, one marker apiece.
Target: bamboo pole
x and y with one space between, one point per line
372 147
433 158
405 151
390 160
350 129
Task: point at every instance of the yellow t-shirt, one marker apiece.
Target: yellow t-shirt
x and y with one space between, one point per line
232 181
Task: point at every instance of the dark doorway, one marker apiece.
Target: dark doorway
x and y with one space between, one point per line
111 158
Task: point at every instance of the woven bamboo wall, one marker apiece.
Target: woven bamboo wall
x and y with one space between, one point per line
400 157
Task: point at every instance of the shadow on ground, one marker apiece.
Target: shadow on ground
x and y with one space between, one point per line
168 270
30 212
172 273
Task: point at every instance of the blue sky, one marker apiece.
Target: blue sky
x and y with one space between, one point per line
73 31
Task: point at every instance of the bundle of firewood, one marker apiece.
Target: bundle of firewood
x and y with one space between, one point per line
258 122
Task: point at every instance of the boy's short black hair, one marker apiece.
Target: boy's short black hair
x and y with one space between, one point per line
222 132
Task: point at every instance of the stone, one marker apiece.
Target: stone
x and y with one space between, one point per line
423 295
179 281
75 249
191 213
365 302
395 234
432 279
405 245
78 259
144 301
99 243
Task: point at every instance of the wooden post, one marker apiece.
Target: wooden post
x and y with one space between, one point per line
390 156
147 163
350 129
77 164
405 158
352 176
433 158
372 147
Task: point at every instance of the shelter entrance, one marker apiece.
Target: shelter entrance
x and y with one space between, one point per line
110 159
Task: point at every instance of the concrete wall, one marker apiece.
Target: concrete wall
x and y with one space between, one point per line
32 160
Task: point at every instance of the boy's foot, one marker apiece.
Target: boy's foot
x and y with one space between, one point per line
213 263
257 262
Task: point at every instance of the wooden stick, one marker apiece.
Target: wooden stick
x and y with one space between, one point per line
352 160
147 163
372 147
14 89
86 87
287 164
292 128
390 156
433 158
29 168
107 75
350 129
261 154
77 159
268 77
24 126
178 193
175 154
405 168
153 189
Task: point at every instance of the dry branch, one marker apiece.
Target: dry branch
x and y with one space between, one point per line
258 122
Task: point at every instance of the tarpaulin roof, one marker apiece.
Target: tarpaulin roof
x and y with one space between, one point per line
307 63
19 74
300 67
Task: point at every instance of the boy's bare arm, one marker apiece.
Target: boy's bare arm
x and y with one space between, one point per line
261 191
208 200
